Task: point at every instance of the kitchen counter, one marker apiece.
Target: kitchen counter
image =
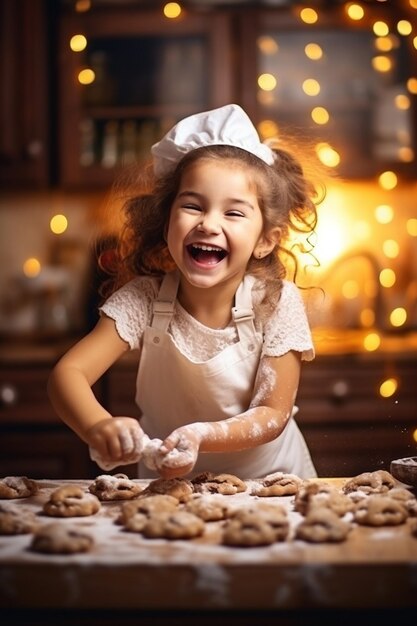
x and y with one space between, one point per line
374 568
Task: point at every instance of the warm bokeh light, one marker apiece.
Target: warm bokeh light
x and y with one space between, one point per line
381 63
384 214
58 224
380 29
31 267
308 15
388 180
78 43
81 6
404 27
406 154
267 82
402 101
354 11
371 342
333 235
86 76
391 248
367 317
350 289
267 45
172 10
388 387
327 155
387 277
320 115
311 87
411 226
384 44
415 435
313 51
412 85
268 129
398 317
415 42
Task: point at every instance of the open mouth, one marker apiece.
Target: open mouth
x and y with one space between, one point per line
206 254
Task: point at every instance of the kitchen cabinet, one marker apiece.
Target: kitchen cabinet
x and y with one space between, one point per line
349 427
333 85
33 440
142 72
24 95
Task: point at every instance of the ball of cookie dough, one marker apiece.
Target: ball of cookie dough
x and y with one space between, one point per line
321 525
179 488
109 487
379 481
277 484
224 484
71 501
17 521
17 487
145 507
248 530
380 510
58 538
208 507
174 525
314 494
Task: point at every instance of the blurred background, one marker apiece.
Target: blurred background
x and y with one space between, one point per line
89 85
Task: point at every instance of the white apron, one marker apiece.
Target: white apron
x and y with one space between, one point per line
172 391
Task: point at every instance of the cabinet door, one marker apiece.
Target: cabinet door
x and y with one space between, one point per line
334 84
143 73
24 93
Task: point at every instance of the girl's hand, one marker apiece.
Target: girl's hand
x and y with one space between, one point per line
178 453
115 441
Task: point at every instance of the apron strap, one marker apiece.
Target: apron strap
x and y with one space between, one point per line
242 312
163 306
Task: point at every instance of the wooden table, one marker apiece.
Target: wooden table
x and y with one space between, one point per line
374 569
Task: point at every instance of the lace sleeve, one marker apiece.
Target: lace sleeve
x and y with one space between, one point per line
288 328
131 309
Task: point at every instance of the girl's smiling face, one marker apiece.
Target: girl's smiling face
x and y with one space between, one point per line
215 223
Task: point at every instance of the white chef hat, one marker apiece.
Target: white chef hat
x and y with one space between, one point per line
228 125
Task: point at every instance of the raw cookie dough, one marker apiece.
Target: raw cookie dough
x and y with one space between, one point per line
17 487
144 507
179 488
277 484
225 484
321 525
259 525
380 510
208 507
59 538
16 520
313 494
174 525
379 481
71 501
117 487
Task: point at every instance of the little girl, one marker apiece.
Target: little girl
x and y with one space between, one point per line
200 292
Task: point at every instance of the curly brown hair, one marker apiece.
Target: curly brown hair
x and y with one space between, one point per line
287 199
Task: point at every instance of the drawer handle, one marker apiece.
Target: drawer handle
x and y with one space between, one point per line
340 390
8 395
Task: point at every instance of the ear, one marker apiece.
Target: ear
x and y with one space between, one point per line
267 242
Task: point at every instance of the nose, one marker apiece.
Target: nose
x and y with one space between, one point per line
209 224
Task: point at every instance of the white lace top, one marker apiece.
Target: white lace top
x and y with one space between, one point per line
287 329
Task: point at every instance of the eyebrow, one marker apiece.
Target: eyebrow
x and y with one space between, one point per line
200 196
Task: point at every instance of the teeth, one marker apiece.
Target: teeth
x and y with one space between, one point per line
207 248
